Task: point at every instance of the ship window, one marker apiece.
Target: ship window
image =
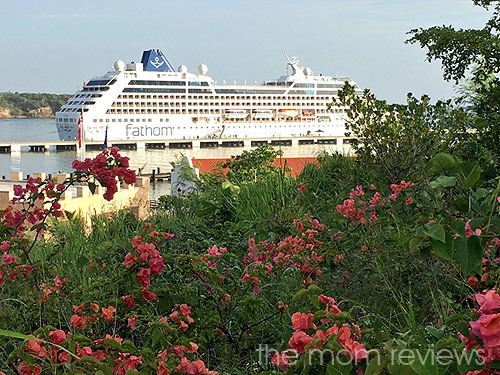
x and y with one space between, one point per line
95 120
161 120
131 120
100 120
149 120
119 120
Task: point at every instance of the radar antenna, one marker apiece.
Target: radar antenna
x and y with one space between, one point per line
294 63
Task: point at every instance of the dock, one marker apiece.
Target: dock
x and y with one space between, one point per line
60 146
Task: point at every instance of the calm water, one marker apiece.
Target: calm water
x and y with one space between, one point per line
23 130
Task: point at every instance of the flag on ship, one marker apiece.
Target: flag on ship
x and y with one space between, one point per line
106 138
80 132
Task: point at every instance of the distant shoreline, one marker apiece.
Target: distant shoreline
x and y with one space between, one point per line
31 105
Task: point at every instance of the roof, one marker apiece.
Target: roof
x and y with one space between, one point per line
296 164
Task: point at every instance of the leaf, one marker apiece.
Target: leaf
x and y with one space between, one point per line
414 243
338 367
468 252
377 324
301 293
376 365
88 359
314 300
92 187
444 250
458 227
219 267
454 318
424 364
472 178
18 335
443 181
441 162
436 230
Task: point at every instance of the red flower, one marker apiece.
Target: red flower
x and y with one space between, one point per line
25 369
107 314
299 341
131 322
302 321
489 302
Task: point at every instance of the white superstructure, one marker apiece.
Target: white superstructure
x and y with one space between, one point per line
151 101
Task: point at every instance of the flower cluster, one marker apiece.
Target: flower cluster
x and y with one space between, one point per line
180 316
145 257
106 168
364 211
308 338
298 252
486 328
60 347
86 315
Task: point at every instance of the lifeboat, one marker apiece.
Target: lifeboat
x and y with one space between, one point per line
263 113
236 113
288 112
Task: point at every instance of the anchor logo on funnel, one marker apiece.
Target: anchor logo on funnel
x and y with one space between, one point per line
157 63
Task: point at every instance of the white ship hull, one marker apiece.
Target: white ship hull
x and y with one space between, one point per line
143 102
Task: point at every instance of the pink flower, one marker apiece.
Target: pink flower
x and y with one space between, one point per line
469 232
245 278
302 321
131 322
107 313
256 290
409 201
5 246
154 234
299 341
489 302
302 187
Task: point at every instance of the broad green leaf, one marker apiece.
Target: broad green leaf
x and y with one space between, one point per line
314 300
472 178
470 362
340 366
301 293
443 181
462 204
444 250
414 243
424 363
459 227
436 230
376 365
441 162
468 252
88 359
452 319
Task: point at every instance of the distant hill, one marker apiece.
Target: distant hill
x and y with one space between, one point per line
31 105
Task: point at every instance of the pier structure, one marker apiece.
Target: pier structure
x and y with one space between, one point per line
132 144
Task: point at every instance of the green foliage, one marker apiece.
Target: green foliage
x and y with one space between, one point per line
396 139
20 104
252 165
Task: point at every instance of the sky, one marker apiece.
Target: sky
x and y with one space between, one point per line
55 45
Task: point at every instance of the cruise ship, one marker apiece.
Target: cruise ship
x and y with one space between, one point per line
149 100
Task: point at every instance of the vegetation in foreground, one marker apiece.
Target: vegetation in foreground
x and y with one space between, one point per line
383 263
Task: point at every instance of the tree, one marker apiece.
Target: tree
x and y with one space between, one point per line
398 139
476 51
